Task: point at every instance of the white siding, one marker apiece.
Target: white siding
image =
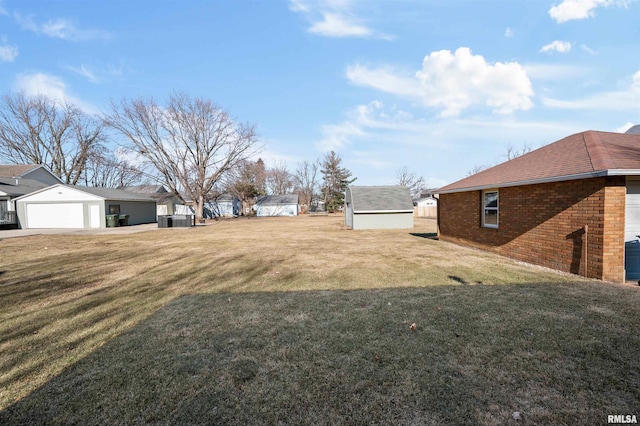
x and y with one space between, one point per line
632 230
383 220
61 193
277 210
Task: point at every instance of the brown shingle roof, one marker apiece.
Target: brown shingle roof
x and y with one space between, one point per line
586 154
16 170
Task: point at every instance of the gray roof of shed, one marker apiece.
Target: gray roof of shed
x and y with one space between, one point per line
380 198
277 200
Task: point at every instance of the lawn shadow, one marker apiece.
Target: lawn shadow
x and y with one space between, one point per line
457 279
328 357
427 235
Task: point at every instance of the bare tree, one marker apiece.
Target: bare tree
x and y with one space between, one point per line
247 180
280 180
106 170
477 169
512 152
40 130
191 142
415 183
307 180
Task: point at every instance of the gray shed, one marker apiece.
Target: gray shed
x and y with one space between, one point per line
378 207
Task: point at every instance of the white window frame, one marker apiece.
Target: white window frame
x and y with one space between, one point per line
485 208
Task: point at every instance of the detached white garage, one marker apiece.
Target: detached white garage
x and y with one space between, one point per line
67 206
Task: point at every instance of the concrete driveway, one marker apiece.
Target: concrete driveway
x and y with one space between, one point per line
13 233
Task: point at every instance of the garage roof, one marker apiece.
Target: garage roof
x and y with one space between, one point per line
105 193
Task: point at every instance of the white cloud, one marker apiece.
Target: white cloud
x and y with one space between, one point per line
334 18
581 9
60 28
457 81
379 139
85 72
337 136
626 126
553 72
509 32
3 11
7 52
587 49
626 99
453 82
557 46
385 79
337 25
51 86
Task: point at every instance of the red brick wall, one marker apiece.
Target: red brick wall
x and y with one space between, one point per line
544 224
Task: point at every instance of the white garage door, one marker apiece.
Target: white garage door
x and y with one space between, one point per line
632 231
55 215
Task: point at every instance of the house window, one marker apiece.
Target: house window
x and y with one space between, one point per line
490 209
114 208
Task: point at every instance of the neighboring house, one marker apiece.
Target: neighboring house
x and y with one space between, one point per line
167 203
317 205
18 180
425 202
573 205
277 205
425 207
227 205
378 207
67 206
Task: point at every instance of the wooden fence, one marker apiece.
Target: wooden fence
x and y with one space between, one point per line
430 212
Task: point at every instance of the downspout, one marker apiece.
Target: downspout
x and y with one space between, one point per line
437 215
586 250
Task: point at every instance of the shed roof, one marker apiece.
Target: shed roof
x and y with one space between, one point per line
278 200
380 198
579 156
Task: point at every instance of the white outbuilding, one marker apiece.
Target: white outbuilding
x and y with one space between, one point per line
277 205
67 206
378 207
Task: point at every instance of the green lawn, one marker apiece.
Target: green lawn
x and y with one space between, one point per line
300 321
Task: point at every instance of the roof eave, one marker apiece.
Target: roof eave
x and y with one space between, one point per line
601 173
383 211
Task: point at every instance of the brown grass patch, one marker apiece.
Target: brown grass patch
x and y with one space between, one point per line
494 336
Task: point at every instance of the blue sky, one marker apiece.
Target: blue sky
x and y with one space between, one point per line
438 87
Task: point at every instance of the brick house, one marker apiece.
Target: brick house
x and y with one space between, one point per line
573 205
